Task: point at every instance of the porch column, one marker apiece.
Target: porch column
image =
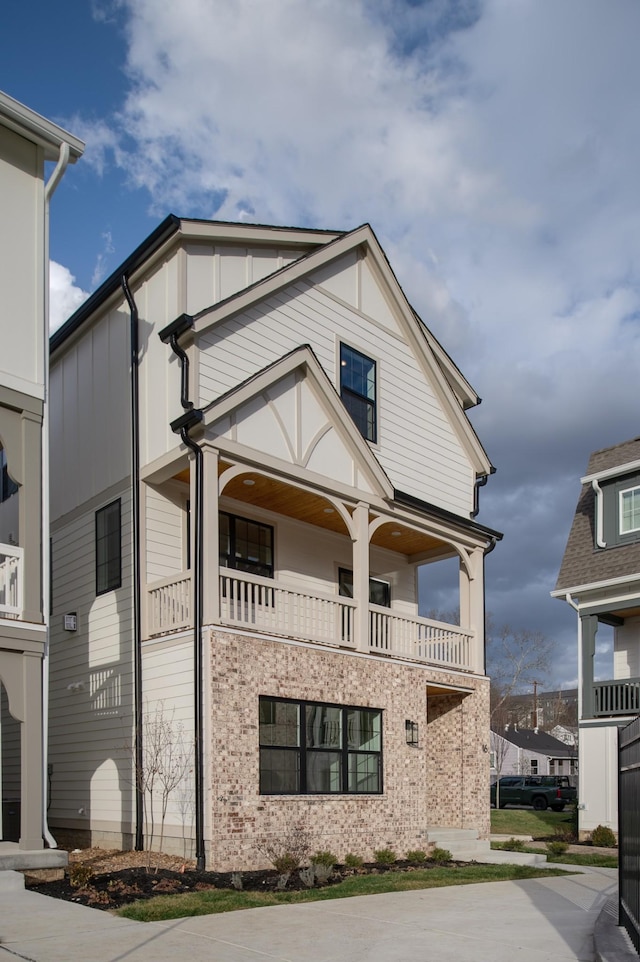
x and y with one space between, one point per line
361 575
589 628
211 561
31 754
30 512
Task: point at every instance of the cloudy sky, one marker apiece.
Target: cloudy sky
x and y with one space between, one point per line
493 145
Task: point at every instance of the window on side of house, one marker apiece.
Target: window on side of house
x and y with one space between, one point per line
246 545
534 766
108 548
629 510
7 485
379 591
310 748
358 390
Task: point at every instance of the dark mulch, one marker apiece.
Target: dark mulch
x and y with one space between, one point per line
111 890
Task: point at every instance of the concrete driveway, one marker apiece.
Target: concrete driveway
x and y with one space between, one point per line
529 921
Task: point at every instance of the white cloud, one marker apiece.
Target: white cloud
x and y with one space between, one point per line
493 146
64 295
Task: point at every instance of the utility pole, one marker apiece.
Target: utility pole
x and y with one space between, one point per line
535 705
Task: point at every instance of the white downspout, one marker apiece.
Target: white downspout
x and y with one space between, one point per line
600 542
49 188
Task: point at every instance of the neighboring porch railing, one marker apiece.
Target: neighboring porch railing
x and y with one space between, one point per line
11 581
621 697
263 604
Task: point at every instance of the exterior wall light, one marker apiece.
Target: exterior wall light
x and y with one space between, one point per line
411 732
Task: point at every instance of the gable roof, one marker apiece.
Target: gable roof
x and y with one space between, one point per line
303 359
537 741
583 563
452 389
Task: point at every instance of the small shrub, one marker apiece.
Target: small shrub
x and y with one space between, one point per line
236 881
440 855
79 875
513 845
286 863
353 861
289 851
557 847
603 837
416 855
308 876
384 856
327 859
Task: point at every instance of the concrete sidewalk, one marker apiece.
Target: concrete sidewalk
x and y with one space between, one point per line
528 921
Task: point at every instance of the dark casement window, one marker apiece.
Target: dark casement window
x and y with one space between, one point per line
379 591
358 389
108 548
246 545
308 748
7 485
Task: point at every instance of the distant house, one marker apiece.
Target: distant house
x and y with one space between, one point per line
527 751
237 523
543 710
27 140
600 578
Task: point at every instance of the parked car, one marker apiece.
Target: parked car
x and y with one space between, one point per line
539 791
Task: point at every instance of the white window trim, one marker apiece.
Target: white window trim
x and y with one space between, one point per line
635 487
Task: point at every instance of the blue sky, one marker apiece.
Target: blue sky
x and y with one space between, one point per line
492 144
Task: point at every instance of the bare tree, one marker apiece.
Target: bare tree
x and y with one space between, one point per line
515 659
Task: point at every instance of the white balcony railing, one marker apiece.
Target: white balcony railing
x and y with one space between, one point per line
11 581
263 604
621 697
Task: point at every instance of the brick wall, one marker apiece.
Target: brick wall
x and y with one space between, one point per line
444 781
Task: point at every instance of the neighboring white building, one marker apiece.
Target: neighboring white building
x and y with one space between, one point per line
27 141
600 578
525 751
238 521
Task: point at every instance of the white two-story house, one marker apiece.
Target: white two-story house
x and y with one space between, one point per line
256 444
600 578
27 142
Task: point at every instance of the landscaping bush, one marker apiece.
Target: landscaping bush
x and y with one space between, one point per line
513 845
328 859
557 847
384 856
603 837
440 855
79 875
416 855
353 861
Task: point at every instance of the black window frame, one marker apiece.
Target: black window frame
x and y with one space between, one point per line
302 752
229 560
362 409
343 587
8 486
106 541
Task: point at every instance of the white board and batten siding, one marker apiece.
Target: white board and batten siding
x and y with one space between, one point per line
91 686
90 439
165 535
417 445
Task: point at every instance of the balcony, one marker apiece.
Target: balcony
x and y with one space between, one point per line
11 581
250 602
621 697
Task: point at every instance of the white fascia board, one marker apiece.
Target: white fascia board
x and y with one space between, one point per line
611 472
32 126
597 586
255 233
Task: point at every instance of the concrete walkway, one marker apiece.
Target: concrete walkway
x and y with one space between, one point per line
529 921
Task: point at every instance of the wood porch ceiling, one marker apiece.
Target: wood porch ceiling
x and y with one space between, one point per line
271 494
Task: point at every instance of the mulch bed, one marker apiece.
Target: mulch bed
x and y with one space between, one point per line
109 890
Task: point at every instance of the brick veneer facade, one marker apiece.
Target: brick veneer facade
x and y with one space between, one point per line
441 782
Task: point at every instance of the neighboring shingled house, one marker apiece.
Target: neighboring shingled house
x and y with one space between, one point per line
528 751
600 578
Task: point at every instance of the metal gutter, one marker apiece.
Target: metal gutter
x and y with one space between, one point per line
410 501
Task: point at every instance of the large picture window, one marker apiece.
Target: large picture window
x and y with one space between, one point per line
108 548
358 389
246 545
309 748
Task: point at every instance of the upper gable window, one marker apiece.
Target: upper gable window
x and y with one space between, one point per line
358 389
630 510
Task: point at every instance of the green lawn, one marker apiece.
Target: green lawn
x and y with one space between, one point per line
224 900
525 821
